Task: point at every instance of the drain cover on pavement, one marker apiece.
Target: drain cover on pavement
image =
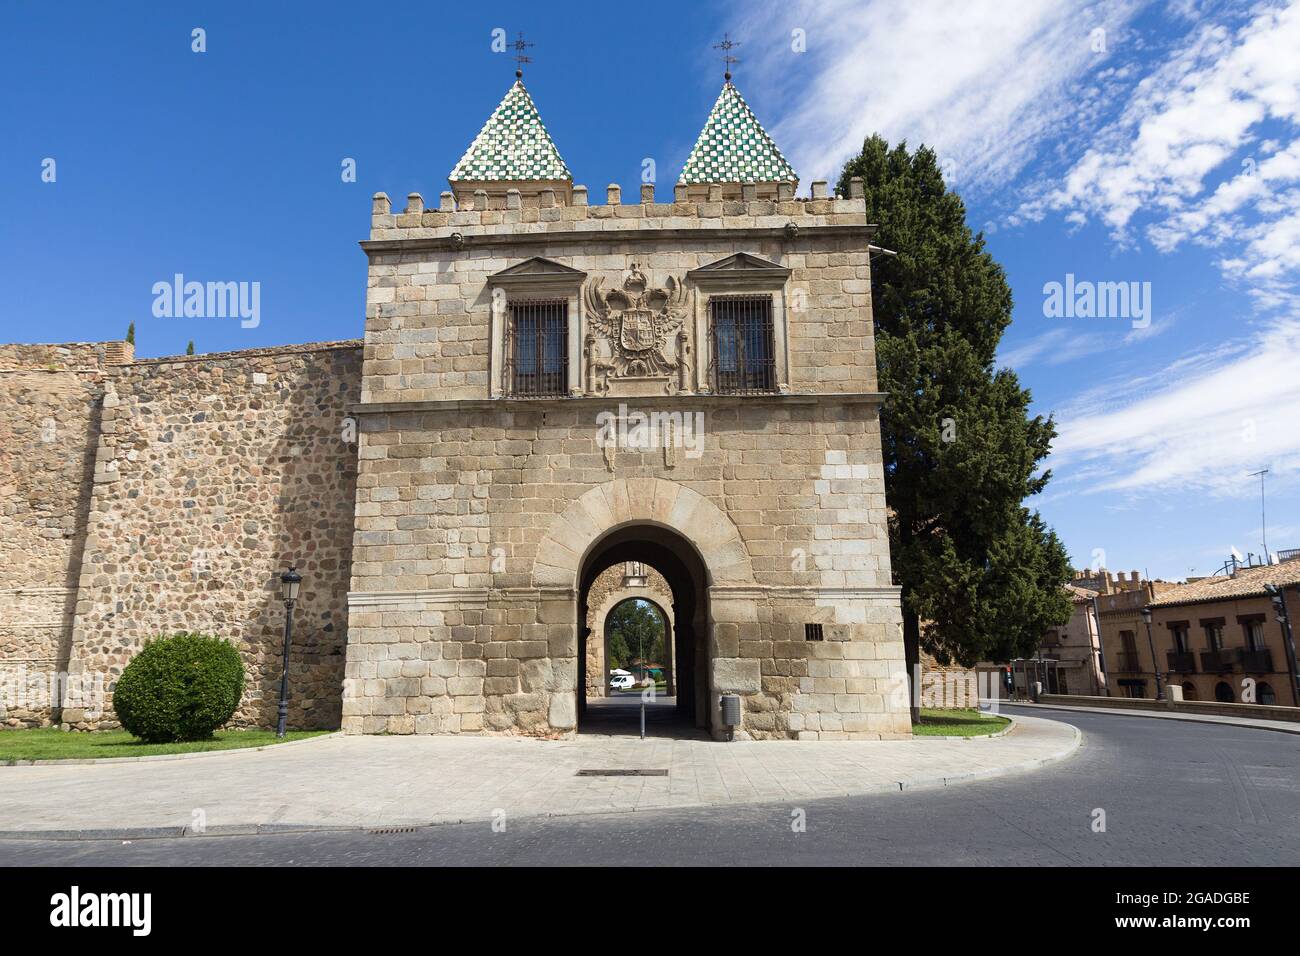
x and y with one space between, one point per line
622 773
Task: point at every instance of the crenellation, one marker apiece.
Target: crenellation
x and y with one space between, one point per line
478 216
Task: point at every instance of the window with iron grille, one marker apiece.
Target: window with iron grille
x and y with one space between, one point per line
812 632
744 359
538 348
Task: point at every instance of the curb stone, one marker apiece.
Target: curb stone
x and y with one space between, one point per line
1001 733
1280 728
262 829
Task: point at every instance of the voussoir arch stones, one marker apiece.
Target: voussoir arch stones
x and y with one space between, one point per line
654 501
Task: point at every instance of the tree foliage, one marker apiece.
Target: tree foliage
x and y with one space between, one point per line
961 450
635 632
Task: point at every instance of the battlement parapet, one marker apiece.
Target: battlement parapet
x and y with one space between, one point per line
487 214
65 356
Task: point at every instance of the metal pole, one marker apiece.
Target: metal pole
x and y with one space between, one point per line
1289 643
1155 665
284 676
1263 522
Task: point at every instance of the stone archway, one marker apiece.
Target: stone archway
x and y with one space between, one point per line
651 501
597 682
693 543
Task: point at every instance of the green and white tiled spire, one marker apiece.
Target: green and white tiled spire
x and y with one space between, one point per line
734 148
513 146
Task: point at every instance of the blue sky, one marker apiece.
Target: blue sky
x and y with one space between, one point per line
1116 142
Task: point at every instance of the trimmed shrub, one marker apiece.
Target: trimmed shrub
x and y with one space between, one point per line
179 688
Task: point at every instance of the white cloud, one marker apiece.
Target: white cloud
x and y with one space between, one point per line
981 81
1188 121
1200 424
1062 344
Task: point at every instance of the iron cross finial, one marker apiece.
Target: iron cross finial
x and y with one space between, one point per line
520 45
726 46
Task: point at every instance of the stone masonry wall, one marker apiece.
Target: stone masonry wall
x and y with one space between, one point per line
214 472
49 424
455 507
473 513
427 313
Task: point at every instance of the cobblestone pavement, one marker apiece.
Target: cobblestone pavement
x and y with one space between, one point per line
383 781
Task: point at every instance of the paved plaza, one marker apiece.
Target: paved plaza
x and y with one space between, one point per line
387 781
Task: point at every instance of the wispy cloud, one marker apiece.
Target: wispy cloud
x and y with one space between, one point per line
1200 424
984 82
1207 150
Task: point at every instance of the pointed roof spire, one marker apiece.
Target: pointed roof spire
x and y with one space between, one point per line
734 148
512 147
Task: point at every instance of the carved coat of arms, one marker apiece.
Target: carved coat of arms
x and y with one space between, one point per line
636 324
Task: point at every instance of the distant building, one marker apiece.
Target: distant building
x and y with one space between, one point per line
1219 638
1074 649
1125 654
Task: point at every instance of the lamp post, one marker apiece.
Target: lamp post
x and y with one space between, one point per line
290 582
1155 665
1277 594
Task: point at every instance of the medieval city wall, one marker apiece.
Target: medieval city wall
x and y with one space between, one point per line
213 473
49 424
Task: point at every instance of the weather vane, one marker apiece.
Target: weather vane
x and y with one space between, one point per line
520 45
726 46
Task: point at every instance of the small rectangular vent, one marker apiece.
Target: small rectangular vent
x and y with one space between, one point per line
622 773
813 632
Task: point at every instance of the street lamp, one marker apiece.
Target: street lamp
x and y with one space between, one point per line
290 582
1155 665
1277 594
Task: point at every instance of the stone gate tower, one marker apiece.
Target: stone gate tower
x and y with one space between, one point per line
552 387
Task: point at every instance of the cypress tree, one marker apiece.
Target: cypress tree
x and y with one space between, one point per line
981 574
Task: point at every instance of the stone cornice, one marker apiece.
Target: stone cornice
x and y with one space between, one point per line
455 240
692 401
596 401
446 597
815 592
479 596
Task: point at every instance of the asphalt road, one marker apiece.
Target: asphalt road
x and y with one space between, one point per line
1172 792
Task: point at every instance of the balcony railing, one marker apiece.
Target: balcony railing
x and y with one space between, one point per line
1227 659
1182 662
1128 663
1257 662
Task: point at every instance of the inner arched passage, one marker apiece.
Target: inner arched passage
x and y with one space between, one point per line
642 655
683 570
645 602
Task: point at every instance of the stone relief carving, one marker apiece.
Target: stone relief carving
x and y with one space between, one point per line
637 337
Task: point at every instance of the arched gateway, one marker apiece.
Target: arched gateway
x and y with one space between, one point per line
552 386
680 533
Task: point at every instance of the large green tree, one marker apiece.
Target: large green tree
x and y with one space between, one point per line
634 628
981 574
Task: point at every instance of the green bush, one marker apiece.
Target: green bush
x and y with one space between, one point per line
179 688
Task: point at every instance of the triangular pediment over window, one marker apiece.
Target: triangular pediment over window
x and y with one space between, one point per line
537 266
538 272
740 265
